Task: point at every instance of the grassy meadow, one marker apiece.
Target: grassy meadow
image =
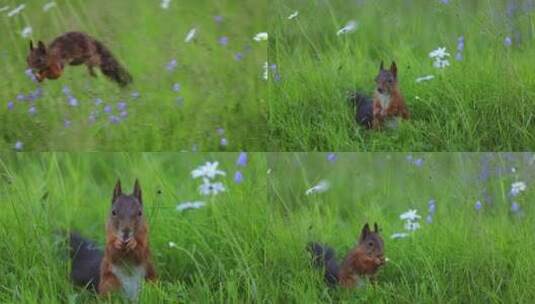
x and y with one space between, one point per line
219 252
464 255
218 103
483 102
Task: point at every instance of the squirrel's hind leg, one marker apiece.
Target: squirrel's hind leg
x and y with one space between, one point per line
91 70
108 283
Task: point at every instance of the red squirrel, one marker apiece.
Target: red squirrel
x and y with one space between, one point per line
363 260
126 260
75 48
386 103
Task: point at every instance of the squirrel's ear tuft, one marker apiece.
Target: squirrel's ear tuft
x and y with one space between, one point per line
375 227
117 191
137 191
382 66
31 45
365 231
394 69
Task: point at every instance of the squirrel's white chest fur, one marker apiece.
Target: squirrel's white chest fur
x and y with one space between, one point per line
384 100
131 278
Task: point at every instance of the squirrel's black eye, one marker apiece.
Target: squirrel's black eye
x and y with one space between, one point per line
113 213
370 244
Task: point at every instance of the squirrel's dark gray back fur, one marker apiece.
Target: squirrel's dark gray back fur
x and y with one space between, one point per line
86 258
363 106
325 257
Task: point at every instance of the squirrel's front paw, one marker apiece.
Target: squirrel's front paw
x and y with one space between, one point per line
118 244
131 244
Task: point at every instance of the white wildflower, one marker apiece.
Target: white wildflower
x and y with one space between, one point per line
440 64
172 245
16 10
209 188
412 226
190 205
208 170
293 15
517 188
410 215
26 32
165 4
3 9
351 26
261 36
439 53
48 6
424 78
322 186
191 35
399 235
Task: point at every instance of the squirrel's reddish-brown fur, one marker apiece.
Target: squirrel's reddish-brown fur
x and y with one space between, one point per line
127 243
387 99
75 48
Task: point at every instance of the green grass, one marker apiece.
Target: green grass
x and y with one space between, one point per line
217 90
483 103
247 245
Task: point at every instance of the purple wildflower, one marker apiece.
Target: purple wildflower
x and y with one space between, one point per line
98 101
176 87
429 219
21 97
478 205
114 119
121 106
19 145
515 207
218 19
171 65
224 142
238 56
507 41
123 114
223 40
66 123
331 157
242 159
220 131
238 177
66 90
32 110
431 206
107 109
30 75
73 102
10 105
135 95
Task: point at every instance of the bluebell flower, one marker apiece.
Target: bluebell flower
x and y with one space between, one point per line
242 159
19 145
218 19
223 40
515 207
176 87
238 177
238 56
224 142
123 114
121 106
32 110
21 97
507 41
10 105
98 101
73 102
331 157
107 109
478 205
171 65
66 90
114 119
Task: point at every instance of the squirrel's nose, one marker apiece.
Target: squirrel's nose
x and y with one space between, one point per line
126 234
380 90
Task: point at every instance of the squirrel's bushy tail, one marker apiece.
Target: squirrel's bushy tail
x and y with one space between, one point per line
363 106
85 261
324 257
111 67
